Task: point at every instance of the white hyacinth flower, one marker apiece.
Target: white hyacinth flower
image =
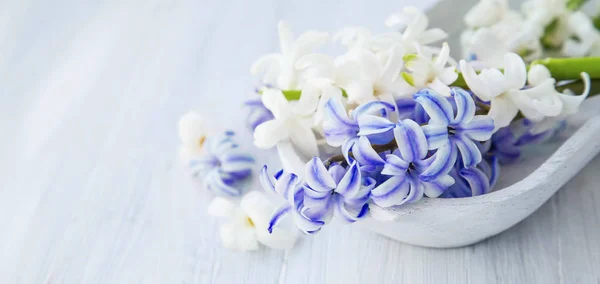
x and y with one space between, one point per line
247 223
506 94
415 34
293 121
537 75
278 69
486 13
588 36
424 71
193 134
373 79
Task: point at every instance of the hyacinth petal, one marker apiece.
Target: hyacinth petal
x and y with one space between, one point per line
362 196
305 224
393 65
370 124
310 40
337 127
416 191
347 147
337 172
465 105
316 200
214 182
391 192
395 166
469 152
502 111
437 107
443 161
478 181
365 154
475 83
351 182
235 162
348 216
432 35
515 72
317 176
267 182
436 135
437 187
277 215
269 133
285 184
335 111
411 140
480 128
305 141
373 107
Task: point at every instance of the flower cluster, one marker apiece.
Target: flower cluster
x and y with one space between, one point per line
222 167
402 130
542 26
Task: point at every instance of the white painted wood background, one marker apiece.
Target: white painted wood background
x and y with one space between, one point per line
91 190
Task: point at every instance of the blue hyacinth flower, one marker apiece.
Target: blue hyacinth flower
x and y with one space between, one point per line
406 167
339 191
222 165
341 129
453 131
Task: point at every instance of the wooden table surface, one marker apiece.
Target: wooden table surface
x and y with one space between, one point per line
91 190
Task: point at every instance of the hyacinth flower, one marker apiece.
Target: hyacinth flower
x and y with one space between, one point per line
257 113
325 191
217 160
452 132
477 180
341 129
405 166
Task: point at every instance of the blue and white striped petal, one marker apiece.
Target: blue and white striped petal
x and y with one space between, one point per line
416 191
347 147
364 153
305 224
411 140
285 184
478 181
391 192
437 106
371 108
277 215
337 172
437 187
362 196
465 106
235 162
370 124
337 127
317 176
436 135
347 216
214 183
394 166
443 161
468 151
267 182
351 182
480 128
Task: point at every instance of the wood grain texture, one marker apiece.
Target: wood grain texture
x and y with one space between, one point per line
91 190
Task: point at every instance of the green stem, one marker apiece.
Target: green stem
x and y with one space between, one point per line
571 68
597 21
574 5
